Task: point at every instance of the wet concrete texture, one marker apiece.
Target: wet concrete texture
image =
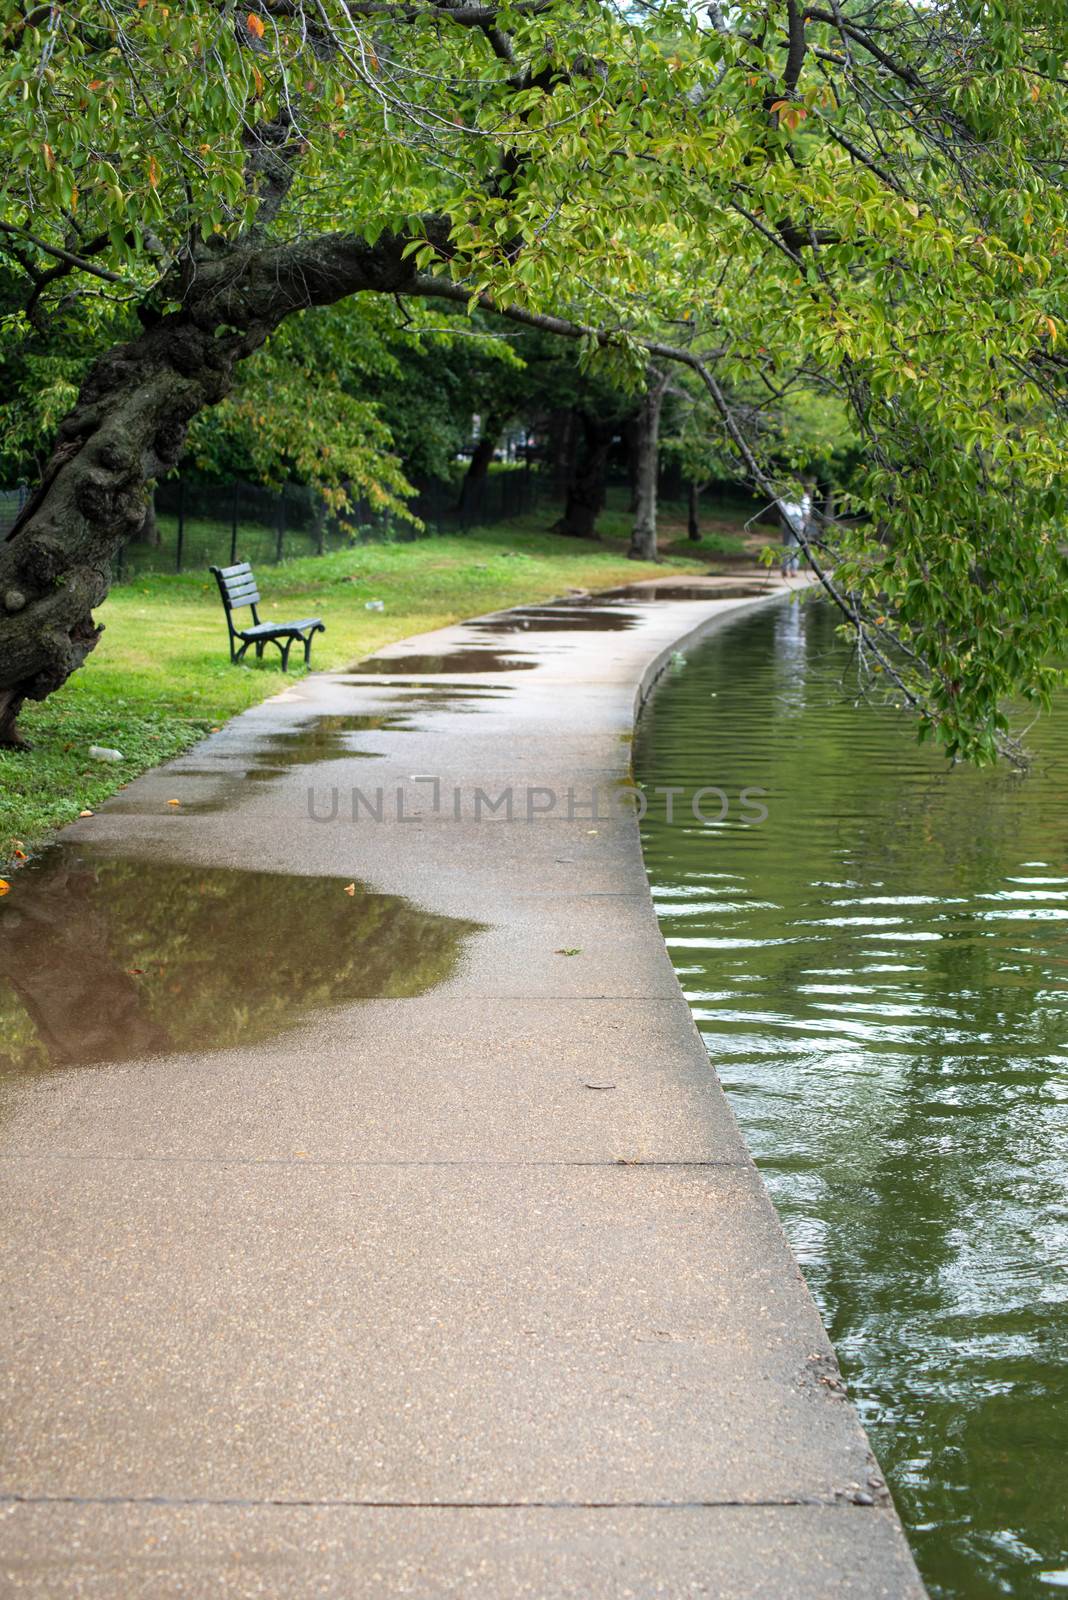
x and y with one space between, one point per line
399 1241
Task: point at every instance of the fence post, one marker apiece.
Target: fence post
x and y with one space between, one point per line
233 525
280 534
180 545
181 524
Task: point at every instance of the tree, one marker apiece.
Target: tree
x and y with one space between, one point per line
301 413
866 196
594 432
647 468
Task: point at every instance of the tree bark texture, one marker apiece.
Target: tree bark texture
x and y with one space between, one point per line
646 470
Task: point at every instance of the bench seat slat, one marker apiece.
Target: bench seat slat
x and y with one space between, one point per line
233 572
263 629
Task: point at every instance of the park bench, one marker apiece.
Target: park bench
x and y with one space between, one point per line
237 586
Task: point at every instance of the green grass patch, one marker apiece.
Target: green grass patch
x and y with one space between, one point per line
160 677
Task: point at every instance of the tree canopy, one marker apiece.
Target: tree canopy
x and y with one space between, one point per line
859 202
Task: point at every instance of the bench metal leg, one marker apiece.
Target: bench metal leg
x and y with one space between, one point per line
285 649
307 649
259 649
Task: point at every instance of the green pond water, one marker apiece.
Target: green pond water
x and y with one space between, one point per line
879 971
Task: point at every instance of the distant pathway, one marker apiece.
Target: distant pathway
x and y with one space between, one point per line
427 1260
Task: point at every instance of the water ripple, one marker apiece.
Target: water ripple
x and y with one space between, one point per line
896 1048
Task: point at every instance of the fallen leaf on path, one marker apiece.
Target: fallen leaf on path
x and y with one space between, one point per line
600 1085
174 802
350 888
85 813
5 887
571 950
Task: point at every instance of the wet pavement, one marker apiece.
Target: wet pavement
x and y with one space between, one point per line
471 659
375 1222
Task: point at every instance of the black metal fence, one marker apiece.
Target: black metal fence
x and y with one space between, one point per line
198 525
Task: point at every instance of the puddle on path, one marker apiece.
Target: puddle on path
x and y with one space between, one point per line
109 958
547 619
246 755
320 738
678 591
243 755
416 693
475 659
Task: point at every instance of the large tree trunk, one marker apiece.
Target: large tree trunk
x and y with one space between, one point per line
128 428
55 566
586 485
647 467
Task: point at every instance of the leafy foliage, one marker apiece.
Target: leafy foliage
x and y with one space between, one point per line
860 207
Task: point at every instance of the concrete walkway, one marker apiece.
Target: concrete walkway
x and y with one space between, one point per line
426 1259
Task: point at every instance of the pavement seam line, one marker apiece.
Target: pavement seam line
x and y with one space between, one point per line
825 1503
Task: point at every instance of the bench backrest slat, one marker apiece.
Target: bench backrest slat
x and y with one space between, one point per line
237 586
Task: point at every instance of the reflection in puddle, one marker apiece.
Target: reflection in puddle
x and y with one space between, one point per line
245 755
324 738
415 692
107 958
678 591
475 659
548 619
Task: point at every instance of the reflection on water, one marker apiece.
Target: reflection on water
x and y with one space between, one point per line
104 958
879 972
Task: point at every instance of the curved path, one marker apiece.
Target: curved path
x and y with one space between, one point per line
426 1259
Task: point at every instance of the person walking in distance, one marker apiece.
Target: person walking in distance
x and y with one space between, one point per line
794 515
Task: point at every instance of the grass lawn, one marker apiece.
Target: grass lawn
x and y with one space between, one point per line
160 677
